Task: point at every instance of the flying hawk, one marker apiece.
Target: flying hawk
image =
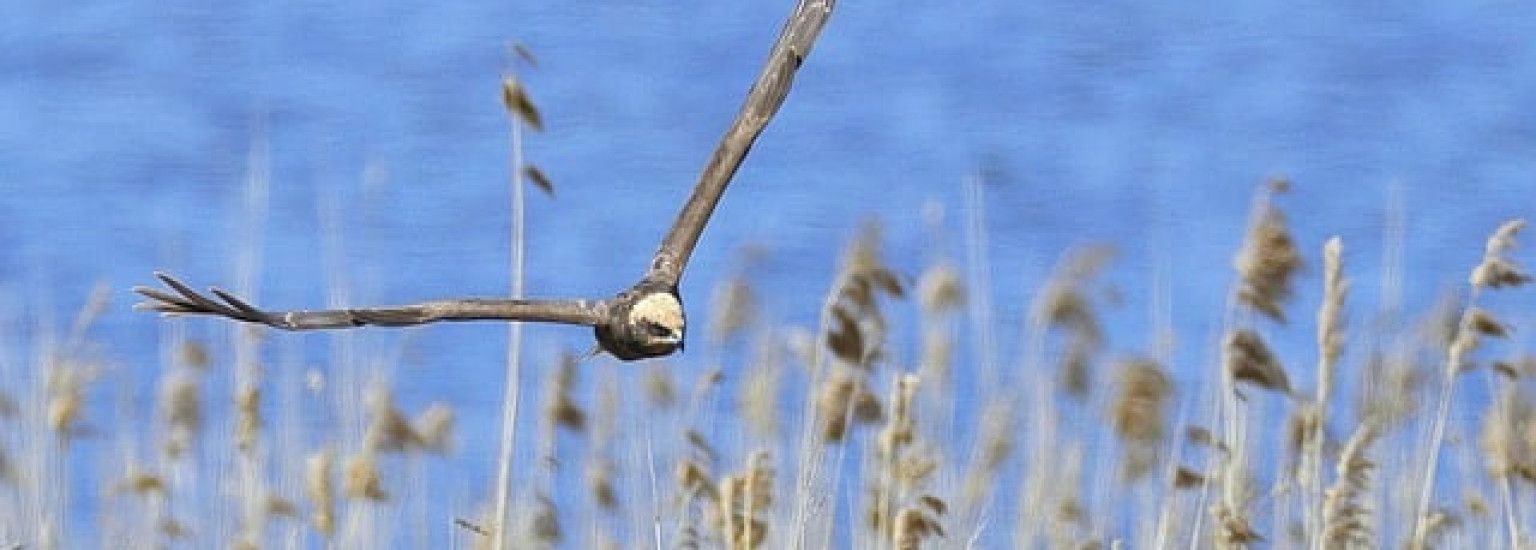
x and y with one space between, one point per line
645 320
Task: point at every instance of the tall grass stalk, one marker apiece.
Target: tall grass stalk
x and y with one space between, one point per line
512 391
1330 346
1495 271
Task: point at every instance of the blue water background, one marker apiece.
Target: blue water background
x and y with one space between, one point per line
127 131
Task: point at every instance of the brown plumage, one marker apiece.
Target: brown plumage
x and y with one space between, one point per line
645 320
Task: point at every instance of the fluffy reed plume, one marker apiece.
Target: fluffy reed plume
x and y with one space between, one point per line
899 427
916 467
172 529
1233 528
561 409
181 406
1064 305
434 428
1330 318
1436 524
1346 519
695 487
361 480
600 485
1267 261
1185 477
693 479
912 526
66 396
1233 525
1497 270
856 334
902 467
1201 435
142 483
318 485
248 423
1139 415
544 525
68 371
1508 450
1483 323
939 289
193 354
1476 323
1248 359
390 431
1303 427
742 498
843 398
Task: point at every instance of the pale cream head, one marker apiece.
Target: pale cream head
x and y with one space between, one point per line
660 309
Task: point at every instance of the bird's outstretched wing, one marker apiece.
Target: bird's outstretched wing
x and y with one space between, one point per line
763 101
182 300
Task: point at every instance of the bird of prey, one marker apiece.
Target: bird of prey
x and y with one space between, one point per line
646 320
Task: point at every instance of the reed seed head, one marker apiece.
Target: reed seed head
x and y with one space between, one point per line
1248 359
940 290
1138 414
1497 270
434 428
1267 262
361 479
318 485
249 423
514 96
546 521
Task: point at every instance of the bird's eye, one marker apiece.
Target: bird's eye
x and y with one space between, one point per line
656 330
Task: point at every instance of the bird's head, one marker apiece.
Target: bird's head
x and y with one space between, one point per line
645 322
659 316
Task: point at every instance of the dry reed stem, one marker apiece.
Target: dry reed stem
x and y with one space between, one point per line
1330 345
1495 271
514 97
1064 305
1346 514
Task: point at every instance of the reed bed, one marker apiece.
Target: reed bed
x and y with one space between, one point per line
866 431
896 421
